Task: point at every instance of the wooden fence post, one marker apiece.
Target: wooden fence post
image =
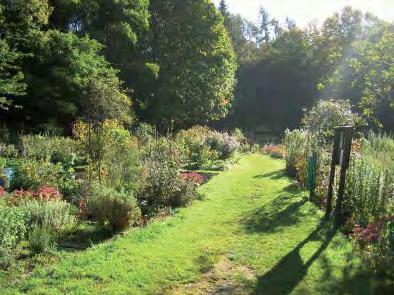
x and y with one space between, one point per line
340 156
334 160
347 136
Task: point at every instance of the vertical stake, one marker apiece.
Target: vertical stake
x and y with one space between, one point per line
347 146
332 175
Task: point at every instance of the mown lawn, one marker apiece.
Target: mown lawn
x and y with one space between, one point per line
252 232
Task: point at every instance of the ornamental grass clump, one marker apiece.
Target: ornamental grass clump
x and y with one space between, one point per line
107 206
370 180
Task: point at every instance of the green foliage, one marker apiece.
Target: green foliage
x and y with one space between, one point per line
50 148
40 239
326 115
55 216
117 208
86 83
203 148
13 225
374 68
30 174
161 185
145 133
196 153
295 144
199 88
223 143
112 152
11 79
370 181
48 221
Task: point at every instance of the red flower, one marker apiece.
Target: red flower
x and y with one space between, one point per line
2 191
370 234
44 193
193 176
47 193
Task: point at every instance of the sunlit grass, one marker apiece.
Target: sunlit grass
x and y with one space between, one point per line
252 215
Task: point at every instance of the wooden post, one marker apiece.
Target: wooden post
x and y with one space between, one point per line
332 175
347 136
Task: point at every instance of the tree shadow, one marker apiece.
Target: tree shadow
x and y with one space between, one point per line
84 238
356 279
281 212
291 269
273 175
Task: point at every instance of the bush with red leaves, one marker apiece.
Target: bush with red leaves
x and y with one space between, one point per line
44 193
47 193
193 176
372 233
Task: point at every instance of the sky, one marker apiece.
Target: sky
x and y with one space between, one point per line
306 11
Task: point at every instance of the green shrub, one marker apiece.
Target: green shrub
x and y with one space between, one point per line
201 147
54 216
6 258
161 185
30 174
224 144
40 239
145 133
50 148
370 181
112 151
13 225
8 150
239 136
295 144
322 119
117 208
194 150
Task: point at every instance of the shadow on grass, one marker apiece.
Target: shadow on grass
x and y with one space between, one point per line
277 214
84 238
291 269
272 175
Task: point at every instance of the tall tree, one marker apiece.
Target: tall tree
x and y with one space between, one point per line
223 8
11 79
196 64
264 26
66 75
117 24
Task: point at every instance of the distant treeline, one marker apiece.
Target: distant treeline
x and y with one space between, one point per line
175 63
285 69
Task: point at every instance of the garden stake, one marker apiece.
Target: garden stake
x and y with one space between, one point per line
346 135
332 176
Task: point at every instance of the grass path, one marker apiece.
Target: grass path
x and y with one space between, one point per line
252 233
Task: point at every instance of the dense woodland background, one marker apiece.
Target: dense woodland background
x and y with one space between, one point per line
176 63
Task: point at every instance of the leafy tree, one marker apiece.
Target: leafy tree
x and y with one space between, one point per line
325 115
196 64
68 78
66 75
19 21
225 13
11 79
243 34
117 24
274 90
373 67
264 27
